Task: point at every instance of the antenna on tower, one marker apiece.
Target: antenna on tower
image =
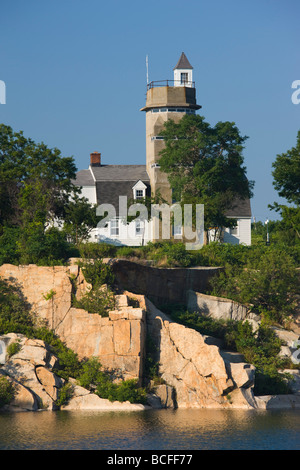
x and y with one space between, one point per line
147 68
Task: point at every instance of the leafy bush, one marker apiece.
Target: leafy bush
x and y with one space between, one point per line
168 253
90 373
269 283
91 250
65 393
97 273
98 300
34 245
126 252
15 313
126 390
7 391
8 245
13 348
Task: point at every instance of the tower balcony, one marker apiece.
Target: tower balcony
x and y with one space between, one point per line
163 83
166 93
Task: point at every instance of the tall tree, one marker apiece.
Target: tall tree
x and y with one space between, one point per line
80 219
286 176
204 165
36 189
35 181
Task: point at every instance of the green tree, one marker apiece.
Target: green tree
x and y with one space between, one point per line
36 193
204 165
270 283
79 219
36 182
286 176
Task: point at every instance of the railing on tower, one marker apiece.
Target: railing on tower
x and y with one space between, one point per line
161 83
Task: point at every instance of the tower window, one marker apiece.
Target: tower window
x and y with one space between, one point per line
183 77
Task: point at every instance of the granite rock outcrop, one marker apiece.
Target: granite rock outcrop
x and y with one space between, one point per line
196 372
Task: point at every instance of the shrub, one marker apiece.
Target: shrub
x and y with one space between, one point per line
15 312
7 391
13 348
270 284
97 273
91 250
43 247
65 393
8 245
126 390
91 373
98 300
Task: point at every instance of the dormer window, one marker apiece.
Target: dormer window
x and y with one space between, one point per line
139 194
139 190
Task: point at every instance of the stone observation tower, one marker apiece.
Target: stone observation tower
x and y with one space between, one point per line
168 99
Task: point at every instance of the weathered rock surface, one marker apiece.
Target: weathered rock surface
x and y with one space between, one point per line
117 340
29 369
201 377
38 388
271 402
193 366
218 307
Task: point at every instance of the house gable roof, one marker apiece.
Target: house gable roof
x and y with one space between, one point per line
84 178
139 185
239 208
120 173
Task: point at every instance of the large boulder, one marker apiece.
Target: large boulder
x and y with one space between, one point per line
200 375
30 371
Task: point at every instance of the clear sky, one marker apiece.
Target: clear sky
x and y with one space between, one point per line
75 74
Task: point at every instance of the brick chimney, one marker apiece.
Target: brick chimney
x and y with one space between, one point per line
95 159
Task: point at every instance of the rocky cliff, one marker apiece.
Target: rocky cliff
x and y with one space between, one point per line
194 366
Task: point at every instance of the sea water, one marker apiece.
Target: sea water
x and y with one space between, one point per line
151 430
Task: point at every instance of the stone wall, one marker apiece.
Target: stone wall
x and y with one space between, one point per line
218 308
162 285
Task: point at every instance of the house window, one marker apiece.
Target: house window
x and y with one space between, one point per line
177 231
139 227
114 228
183 77
139 194
234 230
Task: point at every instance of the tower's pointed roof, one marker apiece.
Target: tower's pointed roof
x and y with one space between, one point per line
183 62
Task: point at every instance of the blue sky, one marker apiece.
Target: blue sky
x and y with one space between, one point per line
75 74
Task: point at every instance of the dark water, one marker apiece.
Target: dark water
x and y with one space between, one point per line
151 430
